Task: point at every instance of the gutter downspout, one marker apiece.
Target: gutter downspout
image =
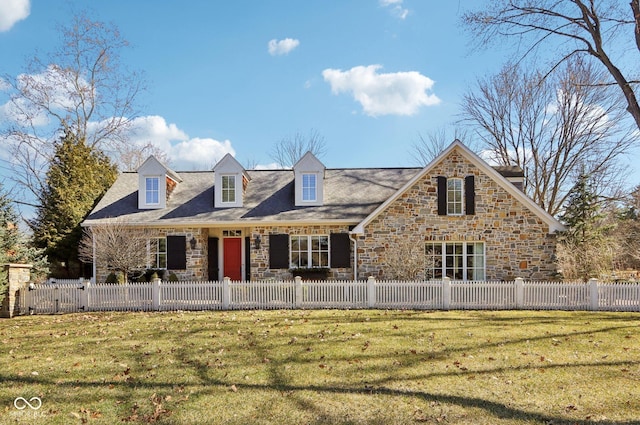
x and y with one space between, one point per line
93 243
355 256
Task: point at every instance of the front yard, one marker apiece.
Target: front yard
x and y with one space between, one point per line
318 367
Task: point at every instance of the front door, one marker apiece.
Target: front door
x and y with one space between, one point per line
232 254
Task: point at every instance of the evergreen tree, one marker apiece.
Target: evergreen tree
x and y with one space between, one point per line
583 213
13 247
585 250
77 178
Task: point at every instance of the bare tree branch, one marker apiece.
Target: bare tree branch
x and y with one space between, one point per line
290 149
580 27
553 128
81 90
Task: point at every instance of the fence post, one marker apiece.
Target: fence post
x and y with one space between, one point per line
297 281
446 293
226 293
519 292
593 294
84 295
371 292
155 293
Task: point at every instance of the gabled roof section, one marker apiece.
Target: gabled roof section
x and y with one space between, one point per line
152 166
309 162
228 164
457 145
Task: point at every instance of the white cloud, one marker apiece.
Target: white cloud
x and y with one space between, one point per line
185 153
282 47
12 11
53 86
399 93
395 7
270 166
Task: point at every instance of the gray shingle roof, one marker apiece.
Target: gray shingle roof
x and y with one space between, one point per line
349 196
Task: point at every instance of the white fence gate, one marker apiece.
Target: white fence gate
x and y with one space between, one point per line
64 296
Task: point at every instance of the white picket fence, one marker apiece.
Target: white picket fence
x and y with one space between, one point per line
75 296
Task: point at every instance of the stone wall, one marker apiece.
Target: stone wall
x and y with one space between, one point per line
517 243
196 257
260 258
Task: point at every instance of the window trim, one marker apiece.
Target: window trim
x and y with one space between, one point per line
154 255
148 191
310 251
311 188
453 203
228 190
464 257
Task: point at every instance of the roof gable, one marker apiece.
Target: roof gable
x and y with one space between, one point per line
152 166
459 147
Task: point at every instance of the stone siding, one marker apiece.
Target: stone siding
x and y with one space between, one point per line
517 243
260 258
196 258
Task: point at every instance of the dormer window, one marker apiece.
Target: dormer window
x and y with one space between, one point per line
152 190
231 182
309 187
309 181
155 183
228 189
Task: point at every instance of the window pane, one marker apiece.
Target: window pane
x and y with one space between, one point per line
308 187
151 193
454 196
228 188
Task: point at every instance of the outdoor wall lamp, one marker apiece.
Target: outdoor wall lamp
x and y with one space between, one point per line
193 243
258 241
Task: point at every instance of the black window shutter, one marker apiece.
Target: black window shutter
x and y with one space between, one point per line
247 258
176 252
212 258
279 251
470 195
442 195
340 247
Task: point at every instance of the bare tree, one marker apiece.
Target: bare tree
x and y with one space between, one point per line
290 149
80 90
115 246
428 148
132 156
405 259
603 30
554 128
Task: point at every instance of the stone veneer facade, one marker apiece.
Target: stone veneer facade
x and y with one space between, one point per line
517 243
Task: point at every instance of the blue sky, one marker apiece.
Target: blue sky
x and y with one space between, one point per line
238 76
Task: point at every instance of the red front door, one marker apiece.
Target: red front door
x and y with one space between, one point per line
232 262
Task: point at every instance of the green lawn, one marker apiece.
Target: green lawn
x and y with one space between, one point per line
317 367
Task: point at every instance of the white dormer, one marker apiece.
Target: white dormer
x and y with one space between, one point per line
309 181
231 180
155 183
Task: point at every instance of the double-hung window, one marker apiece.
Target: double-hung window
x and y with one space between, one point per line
309 187
456 260
152 190
309 251
229 189
158 253
454 196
